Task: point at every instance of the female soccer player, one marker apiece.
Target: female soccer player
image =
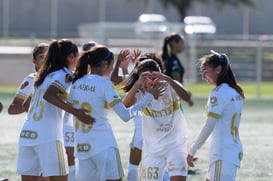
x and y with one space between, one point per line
97 150
163 127
22 98
172 46
224 108
41 148
136 144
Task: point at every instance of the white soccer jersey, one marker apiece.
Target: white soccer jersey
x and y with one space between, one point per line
96 94
68 130
44 120
163 126
225 104
26 88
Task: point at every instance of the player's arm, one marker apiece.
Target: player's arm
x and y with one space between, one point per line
53 96
16 106
21 100
129 98
123 58
201 139
128 113
178 88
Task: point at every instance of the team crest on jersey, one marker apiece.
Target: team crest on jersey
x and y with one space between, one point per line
68 78
24 85
213 100
166 99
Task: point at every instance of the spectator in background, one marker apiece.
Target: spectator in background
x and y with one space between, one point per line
172 46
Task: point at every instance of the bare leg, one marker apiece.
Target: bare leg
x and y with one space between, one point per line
70 155
30 178
135 156
115 180
41 178
134 160
178 178
59 178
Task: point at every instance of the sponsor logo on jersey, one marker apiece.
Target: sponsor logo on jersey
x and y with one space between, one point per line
84 87
29 134
85 147
24 85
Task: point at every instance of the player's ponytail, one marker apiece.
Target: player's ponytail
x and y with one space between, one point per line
56 58
99 54
165 49
167 45
82 66
48 63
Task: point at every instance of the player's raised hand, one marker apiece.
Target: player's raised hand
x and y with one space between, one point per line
124 55
136 55
154 87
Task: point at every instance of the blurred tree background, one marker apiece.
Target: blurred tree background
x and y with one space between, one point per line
182 6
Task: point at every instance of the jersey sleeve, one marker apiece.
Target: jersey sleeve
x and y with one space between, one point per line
26 88
216 103
111 95
62 81
128 113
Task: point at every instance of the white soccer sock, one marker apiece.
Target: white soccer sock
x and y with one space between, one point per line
132 172
71 174
166 176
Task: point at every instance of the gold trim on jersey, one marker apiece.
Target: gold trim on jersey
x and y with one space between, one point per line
114 102
234 131
218 170
120 168
63 93
61 159
211 114
20 96
214 115
164 112
106 106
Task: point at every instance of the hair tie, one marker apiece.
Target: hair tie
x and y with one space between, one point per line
222 57
107 56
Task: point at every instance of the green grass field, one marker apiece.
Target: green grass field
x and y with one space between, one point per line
256 133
